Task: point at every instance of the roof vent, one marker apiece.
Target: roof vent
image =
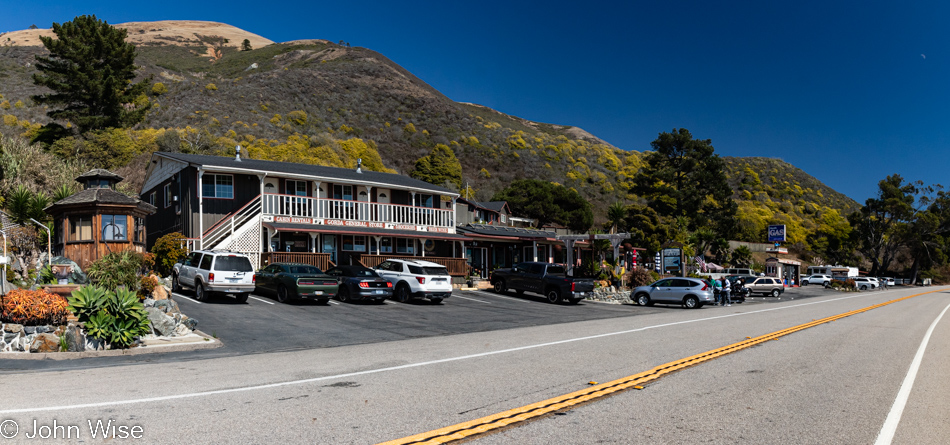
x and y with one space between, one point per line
237 156
359 165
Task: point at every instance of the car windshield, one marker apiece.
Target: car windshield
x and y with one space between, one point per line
233 264
304 269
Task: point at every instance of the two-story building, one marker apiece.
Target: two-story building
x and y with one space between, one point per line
281 211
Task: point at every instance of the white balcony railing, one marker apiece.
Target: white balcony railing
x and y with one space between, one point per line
373 212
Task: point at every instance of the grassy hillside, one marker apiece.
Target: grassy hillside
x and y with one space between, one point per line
324 103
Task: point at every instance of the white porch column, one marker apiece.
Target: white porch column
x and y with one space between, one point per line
378 239
315 212
201 222
270 236
453 217
313 242
534 245
422 246
415 215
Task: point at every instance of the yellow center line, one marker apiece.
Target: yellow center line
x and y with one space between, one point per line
534 411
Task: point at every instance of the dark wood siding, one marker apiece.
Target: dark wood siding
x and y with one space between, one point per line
246 187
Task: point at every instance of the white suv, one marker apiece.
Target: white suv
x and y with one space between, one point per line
864 283
417 278
215 271
824 280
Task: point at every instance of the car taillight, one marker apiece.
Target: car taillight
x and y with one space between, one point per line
364 284
421 280
705 286
388 284
254 278
572 286
211 277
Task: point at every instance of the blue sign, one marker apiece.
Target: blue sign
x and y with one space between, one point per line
777 233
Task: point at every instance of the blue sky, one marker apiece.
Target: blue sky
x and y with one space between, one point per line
849 92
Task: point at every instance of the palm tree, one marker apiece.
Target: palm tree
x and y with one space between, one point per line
22 204
616 214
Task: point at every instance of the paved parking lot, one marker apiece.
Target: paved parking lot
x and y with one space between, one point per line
263 325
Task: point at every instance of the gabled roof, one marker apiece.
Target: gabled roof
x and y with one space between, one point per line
492 206
317 172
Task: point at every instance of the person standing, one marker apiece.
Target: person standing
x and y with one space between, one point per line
726 288
717 291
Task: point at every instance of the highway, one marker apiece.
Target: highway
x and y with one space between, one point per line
836 382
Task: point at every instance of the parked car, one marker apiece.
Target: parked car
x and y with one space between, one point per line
211 272
292 281
887 281
824 280
546 279
416 279
360 283
766 286
692 293
864 283
875 282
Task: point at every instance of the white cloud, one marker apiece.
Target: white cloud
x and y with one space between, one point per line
924 56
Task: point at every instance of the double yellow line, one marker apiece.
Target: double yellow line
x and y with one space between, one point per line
506 419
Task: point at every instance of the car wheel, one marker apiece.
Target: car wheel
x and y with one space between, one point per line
805 283
554 296
436 300
775 293
402 293
241 298
343 294
644 300
283 295
827 284
499 286
200 293
691 302
176 286
864 288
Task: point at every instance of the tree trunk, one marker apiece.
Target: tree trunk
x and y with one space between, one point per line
913 271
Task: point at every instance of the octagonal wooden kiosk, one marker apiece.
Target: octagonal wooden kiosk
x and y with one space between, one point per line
98 220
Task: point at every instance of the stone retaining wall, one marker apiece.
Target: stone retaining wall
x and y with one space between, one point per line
611 295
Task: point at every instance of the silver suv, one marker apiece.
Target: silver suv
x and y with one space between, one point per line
214 271
824 280
417 278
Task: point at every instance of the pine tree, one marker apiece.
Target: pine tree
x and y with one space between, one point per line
246 45
90 70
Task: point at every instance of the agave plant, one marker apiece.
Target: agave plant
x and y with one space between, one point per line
117 318
86 302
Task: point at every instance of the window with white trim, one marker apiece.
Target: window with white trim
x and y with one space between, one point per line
217 186
406 245
167 191
298 188
354 243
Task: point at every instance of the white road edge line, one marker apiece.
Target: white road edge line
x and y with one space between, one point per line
480 301
391 368
897 410
261 300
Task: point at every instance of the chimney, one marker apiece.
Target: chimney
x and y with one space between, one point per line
237 156
359 165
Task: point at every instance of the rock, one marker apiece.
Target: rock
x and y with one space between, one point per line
9 338
159 293
13 328
161 323
190 322
167 306
148 302
75 339
45 343
94 344
182 330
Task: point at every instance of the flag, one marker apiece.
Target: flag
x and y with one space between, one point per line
700 262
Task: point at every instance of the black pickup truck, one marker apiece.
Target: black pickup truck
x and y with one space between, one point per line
542 278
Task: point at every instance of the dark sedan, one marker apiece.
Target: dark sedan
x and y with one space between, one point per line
291 281
360 283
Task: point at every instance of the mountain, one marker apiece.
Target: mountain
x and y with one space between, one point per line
322 102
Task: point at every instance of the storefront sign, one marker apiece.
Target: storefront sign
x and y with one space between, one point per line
439 229
293 220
